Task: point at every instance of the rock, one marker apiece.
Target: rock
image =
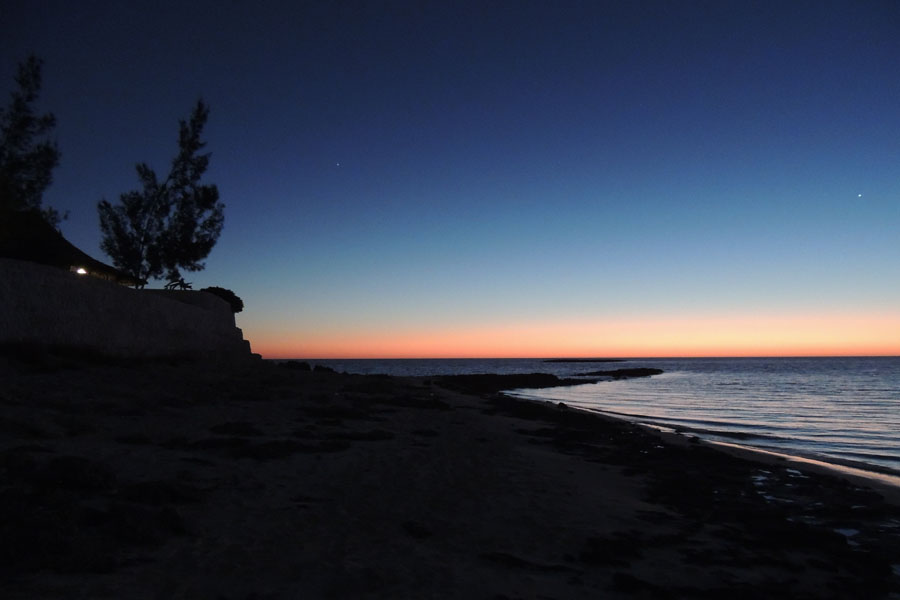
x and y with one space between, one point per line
295 365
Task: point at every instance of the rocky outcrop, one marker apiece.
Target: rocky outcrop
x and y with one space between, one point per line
623 373
493 383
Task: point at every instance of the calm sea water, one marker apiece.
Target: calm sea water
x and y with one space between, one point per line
843 410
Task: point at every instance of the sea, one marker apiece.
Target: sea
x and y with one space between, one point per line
838 410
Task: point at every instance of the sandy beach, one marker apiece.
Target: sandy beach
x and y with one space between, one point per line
258 481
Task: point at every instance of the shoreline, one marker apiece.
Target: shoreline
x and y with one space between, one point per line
859 466
168 480
867 473
887 480
885 483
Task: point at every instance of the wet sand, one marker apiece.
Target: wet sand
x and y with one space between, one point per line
165 481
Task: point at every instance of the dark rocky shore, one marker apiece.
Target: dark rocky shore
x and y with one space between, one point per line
488 383
159 480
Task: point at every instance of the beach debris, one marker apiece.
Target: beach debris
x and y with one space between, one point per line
847 532
178 284
761 477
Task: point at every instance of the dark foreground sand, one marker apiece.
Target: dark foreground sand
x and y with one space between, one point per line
160 481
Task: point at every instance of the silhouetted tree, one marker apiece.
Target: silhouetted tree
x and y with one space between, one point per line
171 224
27 157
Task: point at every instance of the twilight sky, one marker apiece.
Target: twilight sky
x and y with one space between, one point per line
479 179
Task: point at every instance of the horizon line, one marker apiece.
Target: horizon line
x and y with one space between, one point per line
586 358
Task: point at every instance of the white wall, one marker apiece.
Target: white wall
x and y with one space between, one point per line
47 306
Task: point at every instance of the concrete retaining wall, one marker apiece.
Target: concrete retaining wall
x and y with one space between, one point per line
49 307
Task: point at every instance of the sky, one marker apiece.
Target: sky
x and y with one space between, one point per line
505 179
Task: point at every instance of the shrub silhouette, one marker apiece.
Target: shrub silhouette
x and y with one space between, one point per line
237 305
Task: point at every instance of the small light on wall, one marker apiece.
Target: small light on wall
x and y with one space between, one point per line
81 271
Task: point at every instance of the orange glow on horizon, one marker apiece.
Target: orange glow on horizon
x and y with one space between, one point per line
809 335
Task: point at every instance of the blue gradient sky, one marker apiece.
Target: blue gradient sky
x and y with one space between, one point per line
506 178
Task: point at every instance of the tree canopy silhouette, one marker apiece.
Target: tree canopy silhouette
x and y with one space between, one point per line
171 224
27 155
